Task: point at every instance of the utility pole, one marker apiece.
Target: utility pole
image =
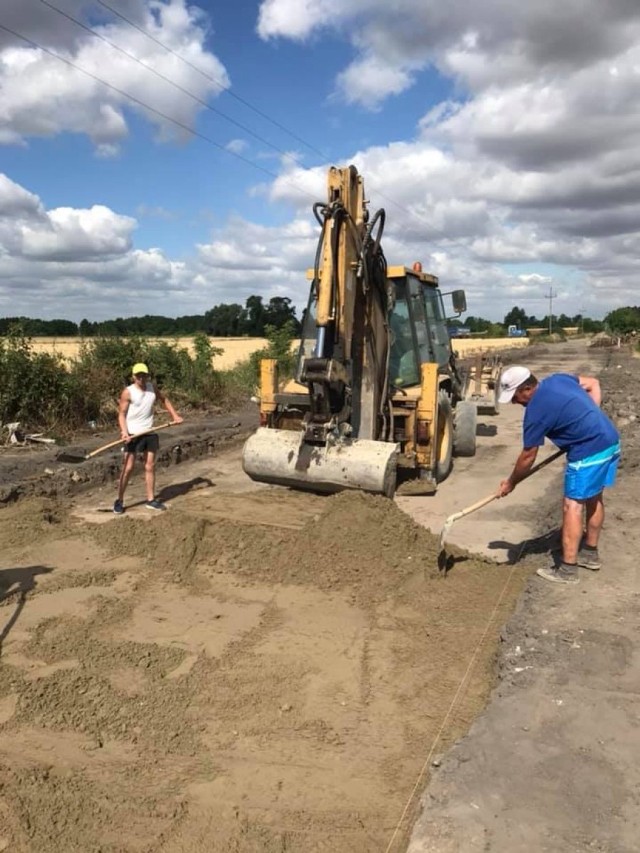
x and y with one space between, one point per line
550 296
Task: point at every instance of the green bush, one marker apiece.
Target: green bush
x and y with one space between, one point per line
244 379
37 389
188 381
45 393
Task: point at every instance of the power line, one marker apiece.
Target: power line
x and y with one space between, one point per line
228 91
169 118
165 78
151 109
410 213
178 123
217 82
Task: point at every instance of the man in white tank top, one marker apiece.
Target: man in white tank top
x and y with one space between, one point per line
135 416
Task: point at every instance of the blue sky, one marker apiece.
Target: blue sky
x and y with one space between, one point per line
501 138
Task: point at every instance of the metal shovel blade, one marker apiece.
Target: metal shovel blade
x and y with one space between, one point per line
71 456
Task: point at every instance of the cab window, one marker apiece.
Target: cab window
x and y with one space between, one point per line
403 361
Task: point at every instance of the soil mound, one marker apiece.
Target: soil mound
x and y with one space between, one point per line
357 541
171 544
32 520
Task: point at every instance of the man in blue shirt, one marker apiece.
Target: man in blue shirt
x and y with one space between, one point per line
566 409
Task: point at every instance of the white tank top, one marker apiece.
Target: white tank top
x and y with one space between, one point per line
140 411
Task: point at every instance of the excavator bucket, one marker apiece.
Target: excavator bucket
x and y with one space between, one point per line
282 458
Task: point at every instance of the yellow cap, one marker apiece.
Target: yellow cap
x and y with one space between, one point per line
139 368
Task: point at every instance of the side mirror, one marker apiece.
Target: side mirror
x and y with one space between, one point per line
459 301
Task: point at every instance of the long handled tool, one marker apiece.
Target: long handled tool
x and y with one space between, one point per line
442 558
75 456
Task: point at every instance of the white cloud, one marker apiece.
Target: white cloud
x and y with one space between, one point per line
73 262
81 263
495 42
536 162
156 212
370 80
15 201
293 18
77 235
40 95
237 146
535 279
527 176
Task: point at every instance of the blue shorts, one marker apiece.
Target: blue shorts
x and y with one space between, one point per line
588 477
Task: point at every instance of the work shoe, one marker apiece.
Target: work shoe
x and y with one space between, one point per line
562 573
589 559
118 507
154 504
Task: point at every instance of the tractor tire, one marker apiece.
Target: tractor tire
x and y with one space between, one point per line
444 438
464 429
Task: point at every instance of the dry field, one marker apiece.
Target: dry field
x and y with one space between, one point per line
236 350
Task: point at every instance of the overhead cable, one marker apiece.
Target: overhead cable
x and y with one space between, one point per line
151 109
212 79
159 74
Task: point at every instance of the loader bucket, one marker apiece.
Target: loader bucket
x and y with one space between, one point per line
281 457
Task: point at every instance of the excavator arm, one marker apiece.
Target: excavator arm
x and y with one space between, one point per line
344 440
347 374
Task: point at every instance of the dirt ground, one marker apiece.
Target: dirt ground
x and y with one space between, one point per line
553 764
257 669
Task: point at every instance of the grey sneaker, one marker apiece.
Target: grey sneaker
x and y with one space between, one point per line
118 507
561 573
154 504
589 560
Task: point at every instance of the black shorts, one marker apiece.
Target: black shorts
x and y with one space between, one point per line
144 444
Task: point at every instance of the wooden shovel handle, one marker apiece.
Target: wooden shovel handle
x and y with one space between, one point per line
477 505
120 441
544 462
487 500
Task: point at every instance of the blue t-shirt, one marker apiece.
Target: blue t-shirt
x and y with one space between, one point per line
563 412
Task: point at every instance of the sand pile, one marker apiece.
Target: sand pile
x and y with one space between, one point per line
33 520
357 541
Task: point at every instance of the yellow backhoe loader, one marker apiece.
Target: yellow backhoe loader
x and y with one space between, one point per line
378 402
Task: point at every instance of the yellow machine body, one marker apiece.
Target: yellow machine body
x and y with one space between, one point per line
372 403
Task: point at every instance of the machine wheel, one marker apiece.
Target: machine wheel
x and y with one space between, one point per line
444 438
464 429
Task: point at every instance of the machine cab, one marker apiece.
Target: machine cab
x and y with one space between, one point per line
418 326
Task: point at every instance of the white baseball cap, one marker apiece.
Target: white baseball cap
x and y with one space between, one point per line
510 380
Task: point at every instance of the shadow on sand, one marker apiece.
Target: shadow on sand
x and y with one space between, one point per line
17 583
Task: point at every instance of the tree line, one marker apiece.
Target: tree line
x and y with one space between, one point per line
620 321
252 320
227 320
